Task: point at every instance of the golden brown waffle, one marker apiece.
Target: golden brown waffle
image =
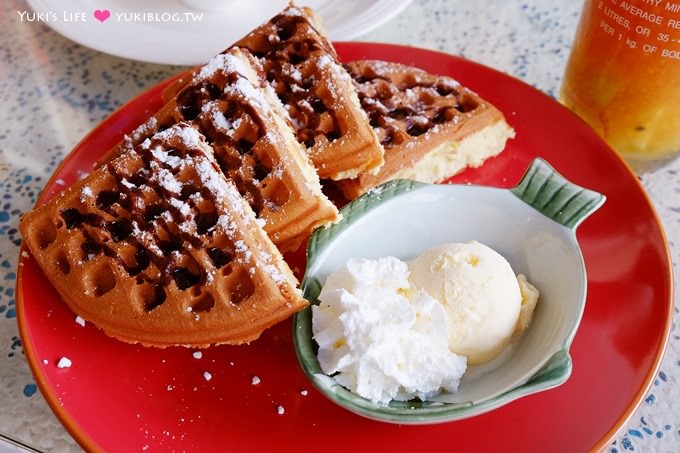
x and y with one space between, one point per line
430 126
317 92
228 101
158 247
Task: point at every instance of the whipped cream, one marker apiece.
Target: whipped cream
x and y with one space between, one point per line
381 338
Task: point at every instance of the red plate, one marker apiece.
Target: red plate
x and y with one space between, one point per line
122 397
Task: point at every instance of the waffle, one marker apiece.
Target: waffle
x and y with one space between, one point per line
317 92
228 101
157 247
430 126
302 66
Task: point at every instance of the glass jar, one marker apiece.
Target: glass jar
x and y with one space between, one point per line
623 77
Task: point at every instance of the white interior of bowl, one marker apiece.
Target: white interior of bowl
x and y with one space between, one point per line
545 251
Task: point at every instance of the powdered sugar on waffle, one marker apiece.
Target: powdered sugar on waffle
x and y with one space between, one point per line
242 87
167 180
142 130
225 62
217 184
190 137
127 184
270 268
242 248
227 224
326 63
165 157
146 238
221 122
181 206
85 193
292 11
209 177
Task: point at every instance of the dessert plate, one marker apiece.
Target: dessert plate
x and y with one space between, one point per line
171 32
228 397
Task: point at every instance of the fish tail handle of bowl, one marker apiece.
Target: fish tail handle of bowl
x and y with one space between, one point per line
554 196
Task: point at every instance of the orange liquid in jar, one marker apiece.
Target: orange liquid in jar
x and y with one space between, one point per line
623 76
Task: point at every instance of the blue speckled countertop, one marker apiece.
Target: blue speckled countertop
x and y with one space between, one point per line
53 91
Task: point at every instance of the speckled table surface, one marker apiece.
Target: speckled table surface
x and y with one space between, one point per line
53 91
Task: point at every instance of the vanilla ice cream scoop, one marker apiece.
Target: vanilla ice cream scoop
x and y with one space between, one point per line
480 294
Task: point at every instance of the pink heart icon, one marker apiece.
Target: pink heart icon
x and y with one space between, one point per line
102 14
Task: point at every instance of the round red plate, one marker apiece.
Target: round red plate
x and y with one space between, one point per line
121 397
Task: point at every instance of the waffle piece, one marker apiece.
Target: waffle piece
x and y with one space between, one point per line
430 126
317 92
243 120
158 247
